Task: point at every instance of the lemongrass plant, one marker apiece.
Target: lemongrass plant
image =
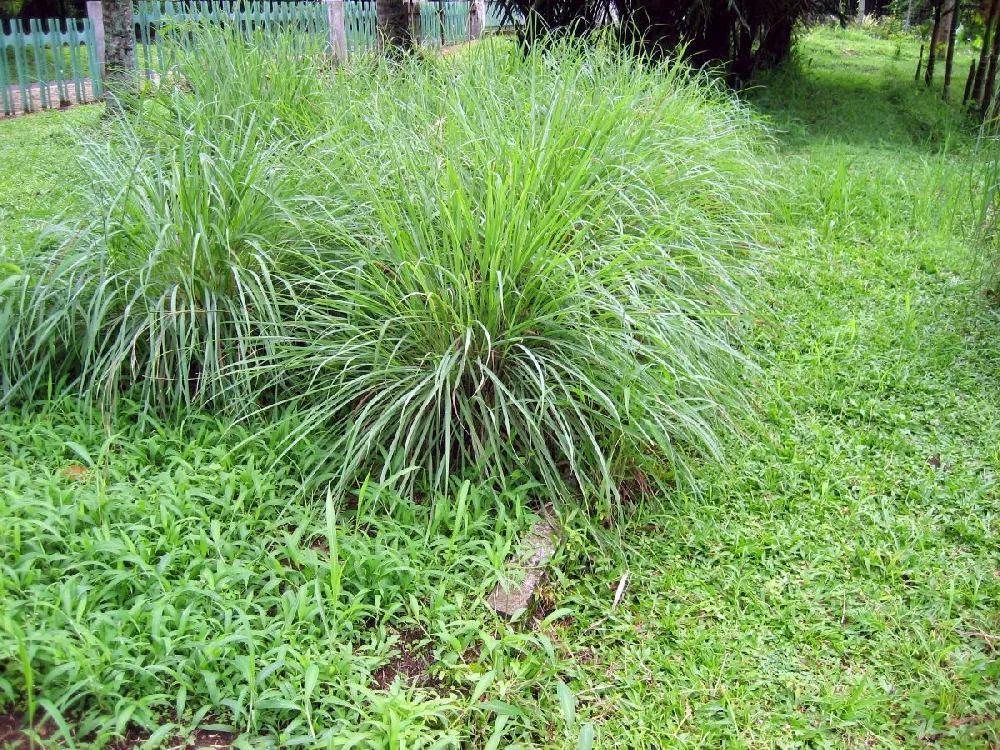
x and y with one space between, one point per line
548 284
516 264
172 283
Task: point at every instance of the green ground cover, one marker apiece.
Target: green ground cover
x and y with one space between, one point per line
40 171
834 584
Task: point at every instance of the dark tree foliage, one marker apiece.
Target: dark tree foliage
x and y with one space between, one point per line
741 35
42 9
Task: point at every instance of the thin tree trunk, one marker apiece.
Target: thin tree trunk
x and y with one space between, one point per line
932 52
909 15
991 73
949 59
968 82
861 12
393 24
984 53
119 54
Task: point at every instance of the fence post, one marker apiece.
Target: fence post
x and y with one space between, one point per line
416 34
338 29
96 15
477 18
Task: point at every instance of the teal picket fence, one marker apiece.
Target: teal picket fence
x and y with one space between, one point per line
360 25
48 65
444 23
155 20
57 63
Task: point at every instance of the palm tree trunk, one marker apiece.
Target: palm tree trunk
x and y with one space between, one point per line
984 53
393 20
120 75
949 60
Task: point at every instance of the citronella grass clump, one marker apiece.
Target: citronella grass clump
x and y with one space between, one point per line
524 265
169 285
172 284
548 277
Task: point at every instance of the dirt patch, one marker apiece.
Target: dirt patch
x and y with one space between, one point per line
411 663
12 735
962 721
450 49
12 732
30 100
9 729
977 725
200 738
75 472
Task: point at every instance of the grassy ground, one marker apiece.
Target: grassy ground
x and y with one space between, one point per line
836 584
38 170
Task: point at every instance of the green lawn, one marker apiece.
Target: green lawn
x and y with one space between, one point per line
48 61
836 584
39 170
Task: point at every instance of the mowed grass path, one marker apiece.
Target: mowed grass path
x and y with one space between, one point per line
39 169
837 584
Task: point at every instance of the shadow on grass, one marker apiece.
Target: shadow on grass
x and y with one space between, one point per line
860 99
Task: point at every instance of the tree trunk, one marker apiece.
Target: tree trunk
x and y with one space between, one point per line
932 52
949 59
393 24
991 73
909 15
743 59
861 12
120 75
984 53
714 42
775 45
941 36
968 82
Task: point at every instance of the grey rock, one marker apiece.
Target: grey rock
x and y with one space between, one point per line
537 549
